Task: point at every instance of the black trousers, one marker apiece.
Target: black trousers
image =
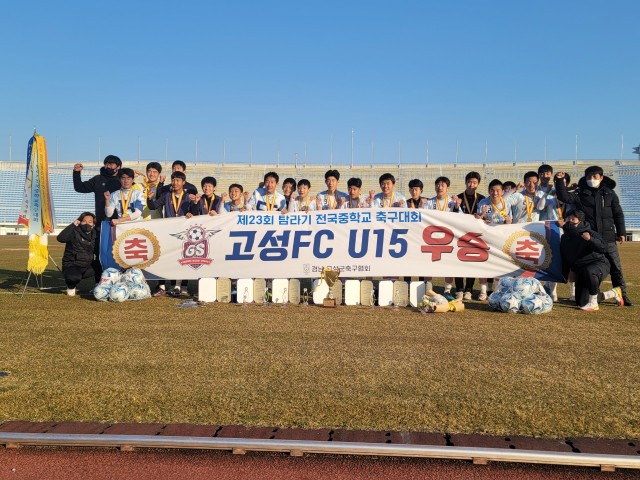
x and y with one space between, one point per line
588 280
466 282
74 274
613 256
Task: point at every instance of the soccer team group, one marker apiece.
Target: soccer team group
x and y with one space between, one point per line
589 213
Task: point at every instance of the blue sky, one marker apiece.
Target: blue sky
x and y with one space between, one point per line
256 78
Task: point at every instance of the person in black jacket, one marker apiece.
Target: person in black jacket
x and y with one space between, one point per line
596 198
583 252
80 238
108 180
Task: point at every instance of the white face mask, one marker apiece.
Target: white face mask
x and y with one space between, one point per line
594 183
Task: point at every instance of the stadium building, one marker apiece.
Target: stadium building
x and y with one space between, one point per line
69 204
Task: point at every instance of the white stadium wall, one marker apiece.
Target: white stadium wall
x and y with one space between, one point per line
69 204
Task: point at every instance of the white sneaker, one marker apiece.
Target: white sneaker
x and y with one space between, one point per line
482 297
459 295
554 296
467 295
590 307
71 292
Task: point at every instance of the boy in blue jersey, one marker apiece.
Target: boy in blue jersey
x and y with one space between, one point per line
267 198
331 198
127 203
388 197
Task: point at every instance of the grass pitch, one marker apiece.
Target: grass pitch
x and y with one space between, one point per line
565 373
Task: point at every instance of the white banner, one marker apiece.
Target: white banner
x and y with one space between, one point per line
359 243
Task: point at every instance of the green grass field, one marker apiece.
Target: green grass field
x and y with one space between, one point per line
566 373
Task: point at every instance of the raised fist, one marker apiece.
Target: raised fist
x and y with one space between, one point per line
78 167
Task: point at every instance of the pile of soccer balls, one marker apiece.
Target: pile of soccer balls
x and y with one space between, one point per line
119 287
520 294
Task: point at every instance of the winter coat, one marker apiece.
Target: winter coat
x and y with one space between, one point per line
98 185
577 253
601 206
78 251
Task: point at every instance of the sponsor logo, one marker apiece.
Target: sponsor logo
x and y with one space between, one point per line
195 246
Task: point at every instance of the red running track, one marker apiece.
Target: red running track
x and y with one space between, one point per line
70 464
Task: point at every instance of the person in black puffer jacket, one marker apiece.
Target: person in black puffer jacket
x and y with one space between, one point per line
80 238
583 252
599 202
107 181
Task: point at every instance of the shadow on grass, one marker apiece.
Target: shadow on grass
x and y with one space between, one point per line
51 282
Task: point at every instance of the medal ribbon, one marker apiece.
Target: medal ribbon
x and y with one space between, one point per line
271 204
466 202
306 205
125 203
176 201
393 195
444 207
502 210
207 206
335 201
530 204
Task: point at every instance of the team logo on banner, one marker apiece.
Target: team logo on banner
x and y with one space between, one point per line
528 250
195 246
136 248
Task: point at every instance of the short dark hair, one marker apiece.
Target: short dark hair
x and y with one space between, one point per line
83 215
112 159
273 175
128 172
567 179
236 185
495 182
332 173
354 182
545 168
304 181
442 179
387 176
416 183
290 181
210 180
530 174
180 175
579 214
593 170
155 166
180 163
471 175
509 184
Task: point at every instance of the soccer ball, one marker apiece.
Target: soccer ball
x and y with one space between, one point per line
533 304
506 283
494 300
525 286
119 292
510 303
134 276
195 234
101 292
139 292
110 276
547 303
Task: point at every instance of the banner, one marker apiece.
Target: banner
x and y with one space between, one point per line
36 211
359 243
